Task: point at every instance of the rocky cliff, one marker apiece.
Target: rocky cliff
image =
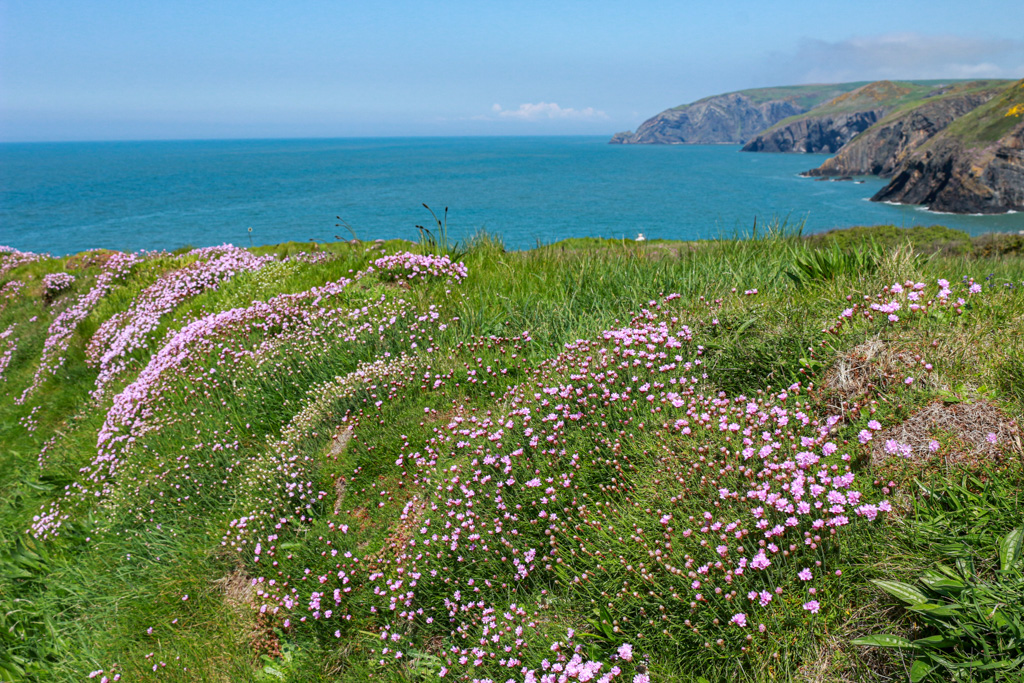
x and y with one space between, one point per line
881 149
820 134
975 165
732 118
829 126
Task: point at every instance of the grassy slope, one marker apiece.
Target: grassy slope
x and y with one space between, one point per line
804 95
86 600
899 96
991 121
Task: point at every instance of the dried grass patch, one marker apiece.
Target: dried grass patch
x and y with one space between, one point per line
869 368
963 428
257 627
339 442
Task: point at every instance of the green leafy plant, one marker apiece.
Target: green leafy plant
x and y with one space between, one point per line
978 621
818 265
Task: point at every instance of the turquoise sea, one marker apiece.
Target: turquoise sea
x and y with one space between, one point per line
66 197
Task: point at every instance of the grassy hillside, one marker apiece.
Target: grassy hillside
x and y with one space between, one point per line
803 95
596 460
895 96
992 120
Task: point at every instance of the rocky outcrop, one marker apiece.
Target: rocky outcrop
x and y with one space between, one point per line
974 165
881 149
724 119
947 175
621 138
822 134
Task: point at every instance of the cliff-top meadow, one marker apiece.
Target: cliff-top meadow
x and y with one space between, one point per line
767 458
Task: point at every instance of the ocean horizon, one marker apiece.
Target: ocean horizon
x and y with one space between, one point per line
64 197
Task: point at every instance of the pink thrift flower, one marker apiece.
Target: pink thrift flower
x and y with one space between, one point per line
812 606
739 619
626 652
992 438
806 574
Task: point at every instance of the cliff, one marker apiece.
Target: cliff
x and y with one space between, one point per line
829 126
882 148
974 165
732 118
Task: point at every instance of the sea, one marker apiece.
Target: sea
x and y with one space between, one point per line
63 198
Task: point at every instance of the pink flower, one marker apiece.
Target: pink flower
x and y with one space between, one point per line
806 574
739 619
626 652
992 438
812 606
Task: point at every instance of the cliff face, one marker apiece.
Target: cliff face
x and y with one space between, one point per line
732 118
829 126
820 134
949 175
724 119
881 149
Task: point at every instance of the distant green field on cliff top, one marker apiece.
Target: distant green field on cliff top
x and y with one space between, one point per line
760 459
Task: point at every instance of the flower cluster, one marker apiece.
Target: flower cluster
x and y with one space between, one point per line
8 345
54 283
11 258
409 266
58 337
126 332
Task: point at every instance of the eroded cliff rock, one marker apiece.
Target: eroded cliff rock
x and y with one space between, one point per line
949 176
974 165
881 149
829 126
732 118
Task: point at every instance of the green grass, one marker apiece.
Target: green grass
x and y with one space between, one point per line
387 439
989 122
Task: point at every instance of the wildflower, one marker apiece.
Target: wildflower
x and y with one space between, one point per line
813 606
626 652
739 619
805 574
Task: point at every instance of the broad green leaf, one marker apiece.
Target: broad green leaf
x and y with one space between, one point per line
937 642
1010 549
935 610
942 585
885 640
903 591
919 670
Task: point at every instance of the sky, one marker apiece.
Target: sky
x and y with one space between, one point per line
179 69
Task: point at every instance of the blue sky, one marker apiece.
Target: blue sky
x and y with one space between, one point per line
143 69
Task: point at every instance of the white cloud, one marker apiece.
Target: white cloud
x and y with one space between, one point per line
903 55
546 111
